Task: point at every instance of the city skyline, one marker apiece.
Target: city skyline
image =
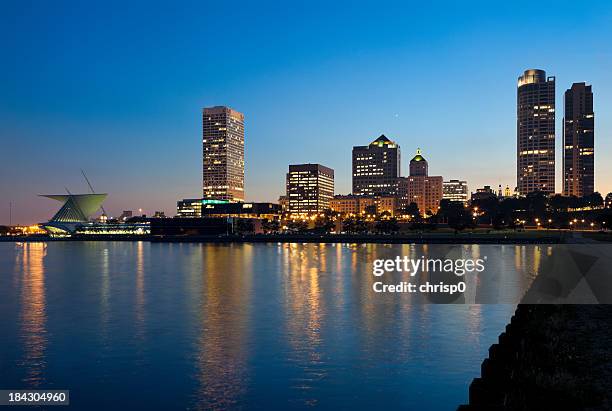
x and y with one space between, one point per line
135 127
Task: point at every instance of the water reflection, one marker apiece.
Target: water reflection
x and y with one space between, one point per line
140 293
304 303
225 310
283 325
105 308
33 318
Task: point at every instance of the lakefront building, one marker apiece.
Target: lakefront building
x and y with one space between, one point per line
376 168
310 188
455 190
578 141
223 154
419 187
535 169
204 208
354 204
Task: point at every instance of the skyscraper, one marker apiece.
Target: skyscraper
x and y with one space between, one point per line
578 141
535 169
376 168
223 154
310 188
420 188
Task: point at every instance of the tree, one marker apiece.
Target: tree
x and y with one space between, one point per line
604 219
455 214
370 210
298 226
245 226
355 225
499 222
324 224
270 226
412 211
387 226
384 215
592 200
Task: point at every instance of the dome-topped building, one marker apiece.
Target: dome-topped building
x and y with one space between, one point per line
419 187
418 165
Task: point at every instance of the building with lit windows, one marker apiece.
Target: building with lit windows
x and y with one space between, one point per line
223 154
578 141
387 204
420 188
310 188
376 168
455 190
204 208
283 202
353 204
190 207
535 169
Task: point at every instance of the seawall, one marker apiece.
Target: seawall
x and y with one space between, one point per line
550 357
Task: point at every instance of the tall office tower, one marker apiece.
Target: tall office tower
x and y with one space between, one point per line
455 190
376 168
310 188
223 154
420 188
535 169
578 141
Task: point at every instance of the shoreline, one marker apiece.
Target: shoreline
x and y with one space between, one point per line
523 237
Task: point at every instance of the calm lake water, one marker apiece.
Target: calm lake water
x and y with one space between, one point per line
128 325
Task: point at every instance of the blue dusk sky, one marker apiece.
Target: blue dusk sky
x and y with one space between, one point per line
117 88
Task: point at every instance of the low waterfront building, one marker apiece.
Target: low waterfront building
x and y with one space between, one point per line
204 208
125 215
387 204
268 211
455 190
351 204
189 208
191 226
355 204
93 229
310 188
483 193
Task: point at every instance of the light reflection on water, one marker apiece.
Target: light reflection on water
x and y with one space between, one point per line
30 268
241 325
